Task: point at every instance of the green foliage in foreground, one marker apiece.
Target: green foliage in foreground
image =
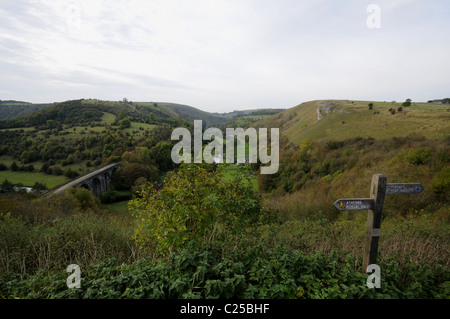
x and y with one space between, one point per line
211 272
194 204
217 243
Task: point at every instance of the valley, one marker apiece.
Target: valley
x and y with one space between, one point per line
243 233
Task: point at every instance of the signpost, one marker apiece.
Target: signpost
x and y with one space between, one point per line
378 189
411 188
354 204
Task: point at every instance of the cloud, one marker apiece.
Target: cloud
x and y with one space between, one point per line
223 55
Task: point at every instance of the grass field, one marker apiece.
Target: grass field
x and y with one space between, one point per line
120 208
232 169
28 179
7 160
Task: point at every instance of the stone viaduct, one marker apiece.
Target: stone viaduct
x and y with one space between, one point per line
96 181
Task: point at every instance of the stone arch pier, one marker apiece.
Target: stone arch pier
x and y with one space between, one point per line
96 181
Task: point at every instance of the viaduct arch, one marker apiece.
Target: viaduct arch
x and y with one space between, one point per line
96 181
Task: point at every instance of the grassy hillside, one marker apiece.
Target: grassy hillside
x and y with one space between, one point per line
11 109
331 149
15 114
64 140
88 111
348 119
189 112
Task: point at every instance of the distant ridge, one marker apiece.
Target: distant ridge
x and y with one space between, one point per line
10 109
17 114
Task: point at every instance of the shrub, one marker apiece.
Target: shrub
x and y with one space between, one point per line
56 170
407 102
109 196
441 183
194 204
38 187
70 173
44 168
14 167
419 156
29 156
125 176
6 186
75 199
124 123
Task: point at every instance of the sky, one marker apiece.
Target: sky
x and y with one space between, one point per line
224 55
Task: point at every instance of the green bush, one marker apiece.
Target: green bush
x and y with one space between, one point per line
194 204
14 167
441 182
419 156
108 197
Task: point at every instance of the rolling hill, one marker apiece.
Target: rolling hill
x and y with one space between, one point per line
16 114
10 109
61 140
344 119
91 110
330 149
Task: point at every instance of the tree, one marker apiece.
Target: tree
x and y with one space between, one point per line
51 124
70 159
6 186
39 188
124 123
407 102
125 177
194 204
161 153
56 170
79 198
14 167
70 173
29 156
44 168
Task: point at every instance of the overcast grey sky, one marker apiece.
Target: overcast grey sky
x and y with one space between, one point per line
222 55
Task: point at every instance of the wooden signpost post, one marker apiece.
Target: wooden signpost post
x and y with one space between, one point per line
378 189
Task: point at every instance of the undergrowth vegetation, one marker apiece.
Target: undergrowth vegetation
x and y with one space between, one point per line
213 271
199 235
315 174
